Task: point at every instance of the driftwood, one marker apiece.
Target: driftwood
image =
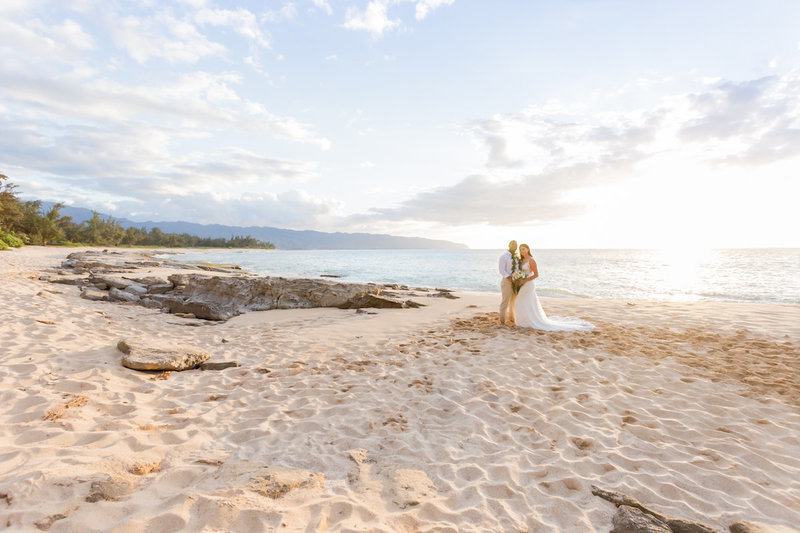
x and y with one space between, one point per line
630 519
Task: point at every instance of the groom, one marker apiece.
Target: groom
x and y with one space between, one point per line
506 287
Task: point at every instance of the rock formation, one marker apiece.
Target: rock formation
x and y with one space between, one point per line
141 355
215 297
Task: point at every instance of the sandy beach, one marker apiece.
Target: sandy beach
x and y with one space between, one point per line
429 419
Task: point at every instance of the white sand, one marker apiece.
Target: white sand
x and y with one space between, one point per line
430 419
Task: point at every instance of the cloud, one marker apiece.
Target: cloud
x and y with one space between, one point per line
479 199
542 161
162 37
198 101
293 209
751 122
65 41
287 12
11 7
424 7
133 171
239 20
102 156
324 5
374 18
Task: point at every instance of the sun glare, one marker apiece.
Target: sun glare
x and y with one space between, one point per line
678 269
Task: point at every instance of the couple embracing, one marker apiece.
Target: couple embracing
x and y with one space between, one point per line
519 303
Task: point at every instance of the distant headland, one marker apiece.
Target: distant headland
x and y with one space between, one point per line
285 239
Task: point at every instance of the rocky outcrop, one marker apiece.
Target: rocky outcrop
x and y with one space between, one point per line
149 355
219 297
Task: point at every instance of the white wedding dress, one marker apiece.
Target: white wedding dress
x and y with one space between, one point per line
528 311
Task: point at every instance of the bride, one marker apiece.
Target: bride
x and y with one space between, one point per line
528 310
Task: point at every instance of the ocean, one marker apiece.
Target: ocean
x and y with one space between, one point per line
739 275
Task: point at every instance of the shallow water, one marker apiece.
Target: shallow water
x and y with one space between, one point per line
748 275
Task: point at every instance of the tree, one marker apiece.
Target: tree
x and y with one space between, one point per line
91 232
51 225
10 212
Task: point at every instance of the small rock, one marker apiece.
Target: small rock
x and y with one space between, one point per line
149 303
94 295
67 281
45 523
277 483
159 288
184 315
360 456
443 294
147 355
108 281
142 469
215 397
135 288
120 295
632 520
220 366
109 489
744 526
412 487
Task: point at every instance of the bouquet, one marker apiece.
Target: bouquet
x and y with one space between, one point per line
516 280
517 274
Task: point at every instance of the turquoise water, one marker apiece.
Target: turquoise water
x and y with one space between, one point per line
748 275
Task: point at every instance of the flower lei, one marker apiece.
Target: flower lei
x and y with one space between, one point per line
515 261
515 266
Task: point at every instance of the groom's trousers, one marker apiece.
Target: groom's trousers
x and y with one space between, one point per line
507 301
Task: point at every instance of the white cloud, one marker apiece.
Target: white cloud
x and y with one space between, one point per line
424 7
135 166
324 5
547 162
374 18
198 102
287 12
64 41
12 7
240 20
163 37
71 33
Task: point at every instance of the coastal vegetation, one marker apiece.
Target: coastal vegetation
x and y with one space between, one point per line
26 222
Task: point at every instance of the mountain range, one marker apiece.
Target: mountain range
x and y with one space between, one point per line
285 239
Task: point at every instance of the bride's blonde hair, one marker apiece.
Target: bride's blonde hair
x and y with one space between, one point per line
521 246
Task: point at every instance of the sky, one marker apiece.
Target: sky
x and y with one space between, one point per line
564 124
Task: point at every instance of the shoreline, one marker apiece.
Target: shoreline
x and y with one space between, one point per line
424 419
568 290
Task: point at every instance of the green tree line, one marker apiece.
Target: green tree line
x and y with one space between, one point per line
27 223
